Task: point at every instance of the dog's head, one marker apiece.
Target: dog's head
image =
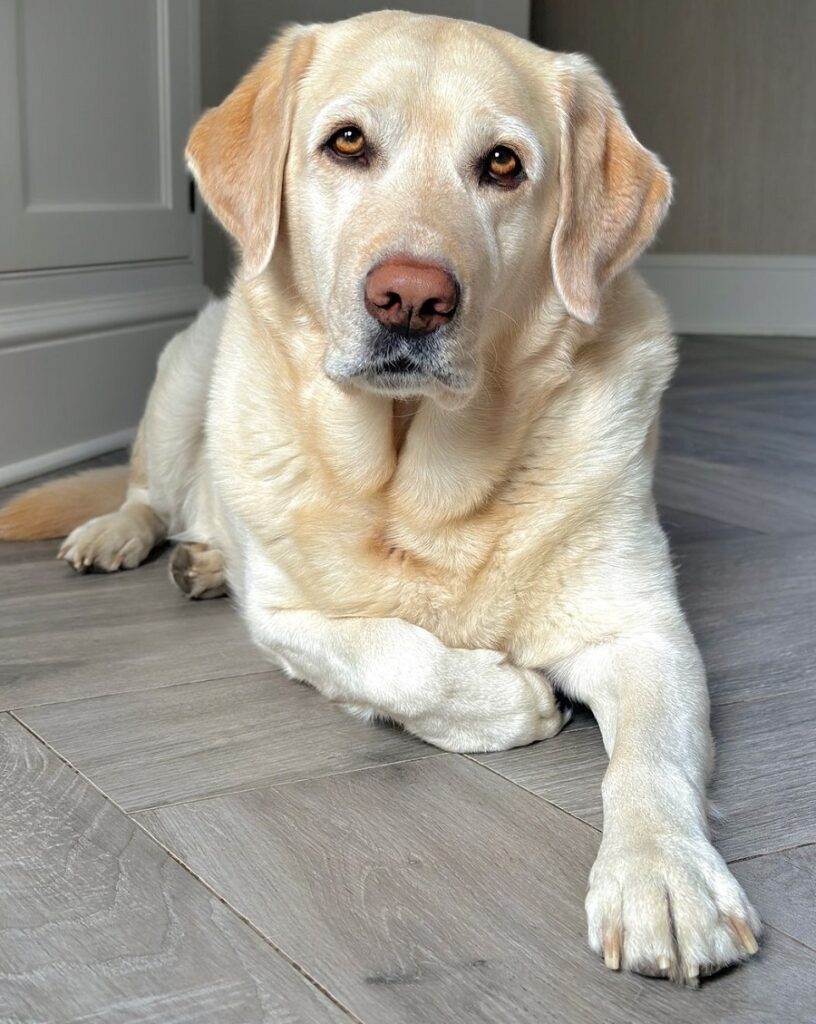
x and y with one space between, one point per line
436 178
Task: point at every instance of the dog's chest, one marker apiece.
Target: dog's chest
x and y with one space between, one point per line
354 556
347 530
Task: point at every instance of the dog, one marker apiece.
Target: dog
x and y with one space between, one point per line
416 442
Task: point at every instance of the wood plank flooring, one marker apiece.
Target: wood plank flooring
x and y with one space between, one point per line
150 747
186 836
99 922
436 891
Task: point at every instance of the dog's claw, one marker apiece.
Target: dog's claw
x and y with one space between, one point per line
612 949
744 934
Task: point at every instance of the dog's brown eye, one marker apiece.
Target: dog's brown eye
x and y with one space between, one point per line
503 167
348 142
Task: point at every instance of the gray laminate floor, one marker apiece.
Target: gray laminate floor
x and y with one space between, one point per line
187 837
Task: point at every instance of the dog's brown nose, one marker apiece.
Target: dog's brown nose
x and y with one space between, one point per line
411 295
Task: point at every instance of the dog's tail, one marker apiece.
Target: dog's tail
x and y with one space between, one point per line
55 508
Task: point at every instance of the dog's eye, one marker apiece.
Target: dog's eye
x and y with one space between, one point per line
348 142
501 166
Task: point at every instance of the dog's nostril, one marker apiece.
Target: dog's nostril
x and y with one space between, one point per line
431 306
409 294
385 302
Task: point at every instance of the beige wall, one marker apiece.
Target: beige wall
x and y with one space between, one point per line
725 92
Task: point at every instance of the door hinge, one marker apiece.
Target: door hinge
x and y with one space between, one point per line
192 195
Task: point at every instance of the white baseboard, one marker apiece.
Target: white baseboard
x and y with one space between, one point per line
76 397
78 351
736 294
62 457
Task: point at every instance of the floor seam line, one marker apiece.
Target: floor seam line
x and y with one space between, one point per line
263 787
186 867
773 853
118 693
537 796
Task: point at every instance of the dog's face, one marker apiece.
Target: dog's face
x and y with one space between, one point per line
437 179
415 192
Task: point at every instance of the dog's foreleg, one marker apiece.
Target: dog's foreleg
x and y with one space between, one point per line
463 700
661 899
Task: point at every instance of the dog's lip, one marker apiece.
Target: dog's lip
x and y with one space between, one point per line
402 364
398 374
406 382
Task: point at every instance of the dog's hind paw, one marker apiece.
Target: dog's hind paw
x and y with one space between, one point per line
198 571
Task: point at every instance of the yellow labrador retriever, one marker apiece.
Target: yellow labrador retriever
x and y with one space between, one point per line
417 439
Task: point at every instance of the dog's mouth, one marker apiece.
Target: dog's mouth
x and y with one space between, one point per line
403 377
406 373
402 364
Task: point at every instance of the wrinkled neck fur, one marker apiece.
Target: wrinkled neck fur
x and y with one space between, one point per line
402 416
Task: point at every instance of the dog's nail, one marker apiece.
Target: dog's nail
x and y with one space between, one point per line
745 935
612 951
663 963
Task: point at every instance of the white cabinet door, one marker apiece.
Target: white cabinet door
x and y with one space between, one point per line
96 98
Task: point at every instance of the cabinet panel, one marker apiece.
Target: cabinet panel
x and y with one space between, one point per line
96 99
92 129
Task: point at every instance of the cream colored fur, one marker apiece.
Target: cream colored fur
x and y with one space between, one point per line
443 557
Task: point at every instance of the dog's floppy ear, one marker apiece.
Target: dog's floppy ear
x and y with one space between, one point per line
237 151
614 192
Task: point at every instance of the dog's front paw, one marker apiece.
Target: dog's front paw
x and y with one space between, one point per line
118 540
668 908
490 704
